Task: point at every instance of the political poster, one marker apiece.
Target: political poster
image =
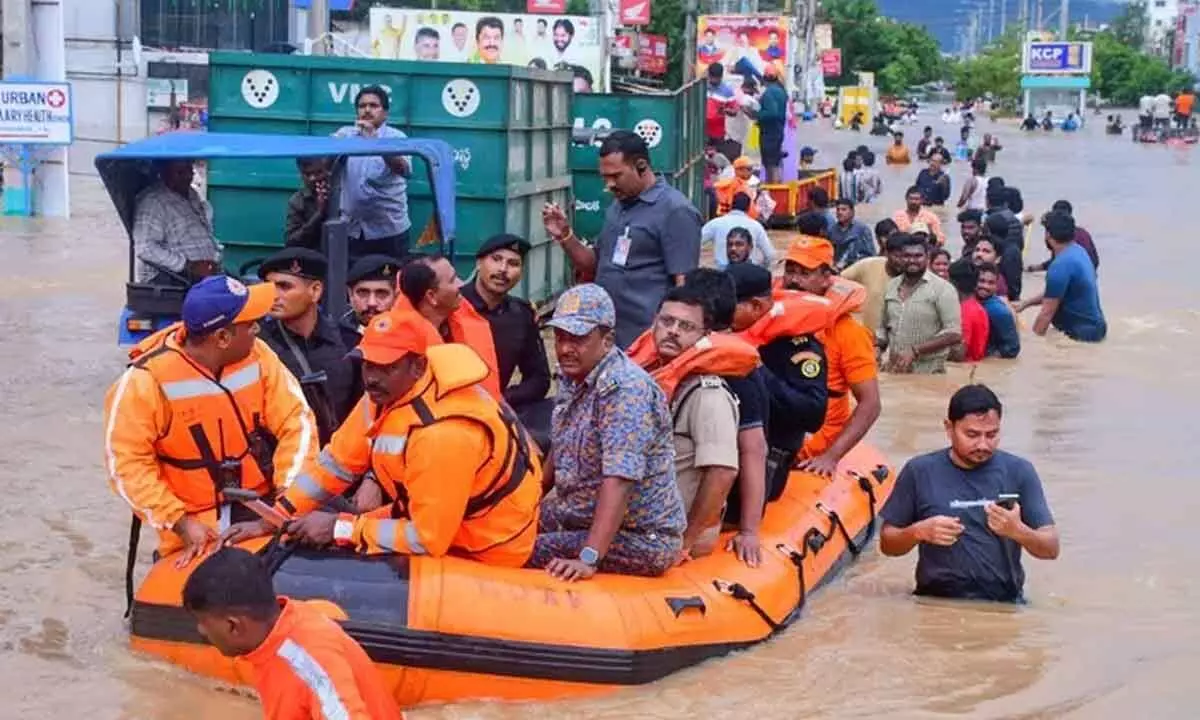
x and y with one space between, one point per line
567 42
743 44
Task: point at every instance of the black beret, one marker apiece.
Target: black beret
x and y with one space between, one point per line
373 267
749 280
504 241
297 261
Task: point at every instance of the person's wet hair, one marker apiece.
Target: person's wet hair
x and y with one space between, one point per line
813 223
718 287
979 165
963 275
973 400
818 197
988 267
1062 206
997 197
913 190
231 580
975 216
741 201
629 144
1059 226
884 228
900 241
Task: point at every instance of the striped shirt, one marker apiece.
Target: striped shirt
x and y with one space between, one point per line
170 230
931 309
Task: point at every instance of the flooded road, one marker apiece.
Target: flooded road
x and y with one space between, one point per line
1112 627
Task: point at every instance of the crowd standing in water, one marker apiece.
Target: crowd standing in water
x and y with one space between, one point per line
685 395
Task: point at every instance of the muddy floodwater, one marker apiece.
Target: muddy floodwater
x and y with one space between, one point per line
1111 630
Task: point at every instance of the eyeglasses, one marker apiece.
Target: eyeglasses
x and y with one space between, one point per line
667 322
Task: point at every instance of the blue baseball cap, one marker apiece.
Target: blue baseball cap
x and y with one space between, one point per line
219 301
806 150
582 309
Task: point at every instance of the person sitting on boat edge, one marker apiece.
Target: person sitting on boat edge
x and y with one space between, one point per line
745 502
202 402
849 349
304 665
460 474
783 325
614 505
971 508
688 360
499 264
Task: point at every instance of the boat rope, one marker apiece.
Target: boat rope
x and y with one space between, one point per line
737 591
797 558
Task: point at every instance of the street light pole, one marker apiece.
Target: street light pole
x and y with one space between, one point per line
1064 19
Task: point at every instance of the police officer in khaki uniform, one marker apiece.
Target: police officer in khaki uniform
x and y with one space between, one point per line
305 339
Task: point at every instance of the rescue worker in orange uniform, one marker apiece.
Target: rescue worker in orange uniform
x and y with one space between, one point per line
204 406
461 475
783 325
849 350
430 285
743 171
305 666
689 362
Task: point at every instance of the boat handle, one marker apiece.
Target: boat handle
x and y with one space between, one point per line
679 604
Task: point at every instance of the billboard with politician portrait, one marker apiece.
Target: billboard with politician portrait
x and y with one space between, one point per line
744 44
545 41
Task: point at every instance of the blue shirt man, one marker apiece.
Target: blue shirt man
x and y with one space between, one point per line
971 508
375 189
1071 301
1004 340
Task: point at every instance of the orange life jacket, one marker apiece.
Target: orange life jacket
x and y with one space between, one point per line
845 297
727 188
715 354
500 522
793 314
470 328
215 436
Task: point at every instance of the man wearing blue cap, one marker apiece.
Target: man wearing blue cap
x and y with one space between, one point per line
615 505
205 406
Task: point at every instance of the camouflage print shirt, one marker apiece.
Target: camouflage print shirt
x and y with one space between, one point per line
615 423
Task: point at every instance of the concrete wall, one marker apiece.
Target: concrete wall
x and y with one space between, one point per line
108 89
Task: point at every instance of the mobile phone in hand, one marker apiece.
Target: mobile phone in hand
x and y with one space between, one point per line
1007 500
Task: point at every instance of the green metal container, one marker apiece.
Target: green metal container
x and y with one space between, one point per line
673 127
509 126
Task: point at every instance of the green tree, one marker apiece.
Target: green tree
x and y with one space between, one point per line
1132 25
1123 73
900 54
996 70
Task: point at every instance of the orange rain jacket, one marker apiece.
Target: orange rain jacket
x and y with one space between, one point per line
714 354
308 668
850 355
470 328
465 476
170 426
727 188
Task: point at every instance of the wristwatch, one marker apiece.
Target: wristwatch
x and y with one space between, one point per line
589 556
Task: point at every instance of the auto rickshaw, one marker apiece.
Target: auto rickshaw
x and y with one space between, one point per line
130 169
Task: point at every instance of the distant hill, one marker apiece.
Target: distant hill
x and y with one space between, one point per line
945 23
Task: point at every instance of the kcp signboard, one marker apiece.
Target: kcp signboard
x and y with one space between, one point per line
1058 58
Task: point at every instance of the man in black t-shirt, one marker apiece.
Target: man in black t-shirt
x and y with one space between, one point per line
971 508
745 502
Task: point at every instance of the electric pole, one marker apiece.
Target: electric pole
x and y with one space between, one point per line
991 20
810 30
318 25
689 42
1064 19
1039 15
1003 17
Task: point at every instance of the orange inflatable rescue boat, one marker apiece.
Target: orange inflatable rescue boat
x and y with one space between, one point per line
448 629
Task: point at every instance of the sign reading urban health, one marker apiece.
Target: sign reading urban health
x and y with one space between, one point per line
35 113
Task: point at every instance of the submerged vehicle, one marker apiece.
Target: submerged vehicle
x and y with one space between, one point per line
449 629
127 171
